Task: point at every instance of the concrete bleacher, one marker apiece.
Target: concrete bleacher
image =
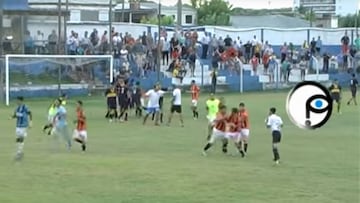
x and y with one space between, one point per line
202 75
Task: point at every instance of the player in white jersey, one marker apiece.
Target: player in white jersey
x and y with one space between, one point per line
153 106
274 122
176 105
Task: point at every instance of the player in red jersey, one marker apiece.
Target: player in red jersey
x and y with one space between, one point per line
80 134
195 92
219 130
244 129
233 127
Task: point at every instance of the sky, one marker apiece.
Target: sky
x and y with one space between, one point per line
253 4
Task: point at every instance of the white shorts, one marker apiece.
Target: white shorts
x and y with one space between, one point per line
211 119
51 119
216 135
21 132
194 102
80 134
233 136
244 133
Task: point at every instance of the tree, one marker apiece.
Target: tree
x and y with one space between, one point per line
213 12
165 20
349 20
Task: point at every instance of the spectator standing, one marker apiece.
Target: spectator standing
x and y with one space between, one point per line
326 61
213 75
318 45
284 51
228 42
104 44
39 42
205 41
254 43
248 48
192 61
52 40
357 42
313 46
165 46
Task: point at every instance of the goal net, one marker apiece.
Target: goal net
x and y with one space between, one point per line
53 75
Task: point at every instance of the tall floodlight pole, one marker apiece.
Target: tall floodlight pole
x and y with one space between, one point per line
59 27
158 66
58 45
179 13
1 54
1 30
123 11
356 22
65 23
110 26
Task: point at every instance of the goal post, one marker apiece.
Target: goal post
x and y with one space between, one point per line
51 75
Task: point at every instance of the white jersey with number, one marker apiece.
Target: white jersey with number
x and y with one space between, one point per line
274 122
177 97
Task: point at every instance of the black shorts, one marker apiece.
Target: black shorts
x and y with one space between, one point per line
112 105
176 108
124 104
353 92
276 136
336 97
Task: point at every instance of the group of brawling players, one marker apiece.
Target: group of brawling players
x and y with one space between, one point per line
222 126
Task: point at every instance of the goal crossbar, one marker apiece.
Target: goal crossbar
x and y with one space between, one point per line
7 66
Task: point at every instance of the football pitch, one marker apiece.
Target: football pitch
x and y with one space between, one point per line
132 163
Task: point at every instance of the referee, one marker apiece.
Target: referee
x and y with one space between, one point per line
274 122
353 87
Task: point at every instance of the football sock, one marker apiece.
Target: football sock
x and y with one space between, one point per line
107 114
20 147
194 113
245 147
121 114
46 127
161 117
240 146
153 117
83 147
224 147
78 140
197 114
208 145
276 154
126 116
338 107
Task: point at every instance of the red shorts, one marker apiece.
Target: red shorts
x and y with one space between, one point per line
345 48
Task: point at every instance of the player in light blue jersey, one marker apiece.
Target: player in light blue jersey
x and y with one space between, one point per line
60 123
23 118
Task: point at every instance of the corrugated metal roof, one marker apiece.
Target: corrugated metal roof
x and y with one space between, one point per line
14 5
143 5
276 21
101 2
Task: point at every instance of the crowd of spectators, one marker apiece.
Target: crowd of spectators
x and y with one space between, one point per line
179 52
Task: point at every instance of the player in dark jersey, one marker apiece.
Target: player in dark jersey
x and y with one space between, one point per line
353 88
123 100
335 91
111 97
136 99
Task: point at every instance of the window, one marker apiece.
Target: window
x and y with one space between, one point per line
188 19
89 16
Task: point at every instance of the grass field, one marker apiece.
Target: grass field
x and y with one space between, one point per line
131 163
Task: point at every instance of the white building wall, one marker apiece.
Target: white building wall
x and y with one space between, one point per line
173 12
